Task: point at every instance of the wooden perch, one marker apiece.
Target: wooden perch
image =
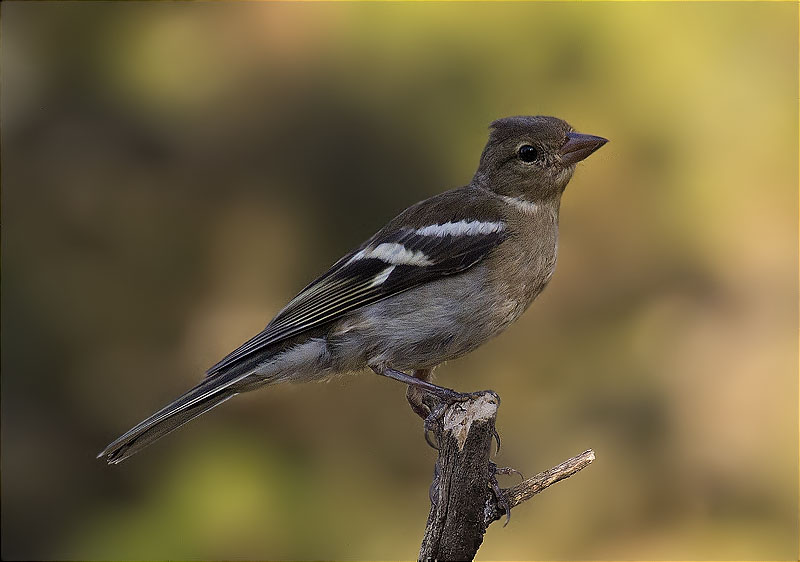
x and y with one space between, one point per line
464 492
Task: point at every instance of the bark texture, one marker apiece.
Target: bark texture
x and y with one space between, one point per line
465 498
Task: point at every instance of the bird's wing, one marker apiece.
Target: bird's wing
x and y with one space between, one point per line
406 253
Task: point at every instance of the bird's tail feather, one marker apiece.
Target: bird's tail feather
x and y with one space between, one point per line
211 392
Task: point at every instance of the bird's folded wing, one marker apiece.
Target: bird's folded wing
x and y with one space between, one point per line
393 261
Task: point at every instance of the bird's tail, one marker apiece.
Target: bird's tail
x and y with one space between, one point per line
211 392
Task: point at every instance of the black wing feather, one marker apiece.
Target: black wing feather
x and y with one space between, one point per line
351 284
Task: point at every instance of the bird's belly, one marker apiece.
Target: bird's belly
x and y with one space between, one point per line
421 328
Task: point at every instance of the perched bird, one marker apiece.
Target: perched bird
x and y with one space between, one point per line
437 281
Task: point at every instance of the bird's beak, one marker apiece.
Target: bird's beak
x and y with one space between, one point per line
579 146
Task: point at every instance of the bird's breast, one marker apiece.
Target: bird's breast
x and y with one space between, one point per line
524 268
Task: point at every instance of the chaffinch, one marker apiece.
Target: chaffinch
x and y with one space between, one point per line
437 281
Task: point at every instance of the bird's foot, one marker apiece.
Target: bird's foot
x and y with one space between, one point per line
416 399
444 398
502 498
420 388
507 470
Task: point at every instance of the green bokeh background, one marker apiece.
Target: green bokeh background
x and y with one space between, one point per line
172 173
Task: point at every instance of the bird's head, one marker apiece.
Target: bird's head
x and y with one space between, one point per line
532 158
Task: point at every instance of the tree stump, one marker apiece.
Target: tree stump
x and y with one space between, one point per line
465 497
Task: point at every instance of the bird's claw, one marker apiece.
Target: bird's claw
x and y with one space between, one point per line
506 470
431 422
502 498
447 398
430 439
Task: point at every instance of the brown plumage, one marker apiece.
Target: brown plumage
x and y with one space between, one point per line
437 281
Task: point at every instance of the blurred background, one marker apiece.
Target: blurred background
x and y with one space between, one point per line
173 173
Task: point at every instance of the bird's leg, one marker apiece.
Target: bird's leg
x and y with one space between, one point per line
414 394
446 396
443 393
416 398
439 391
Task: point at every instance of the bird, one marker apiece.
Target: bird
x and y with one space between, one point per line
437 281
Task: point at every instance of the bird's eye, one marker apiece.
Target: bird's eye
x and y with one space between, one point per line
527 153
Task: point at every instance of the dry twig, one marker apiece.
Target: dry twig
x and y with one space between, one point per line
465 498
